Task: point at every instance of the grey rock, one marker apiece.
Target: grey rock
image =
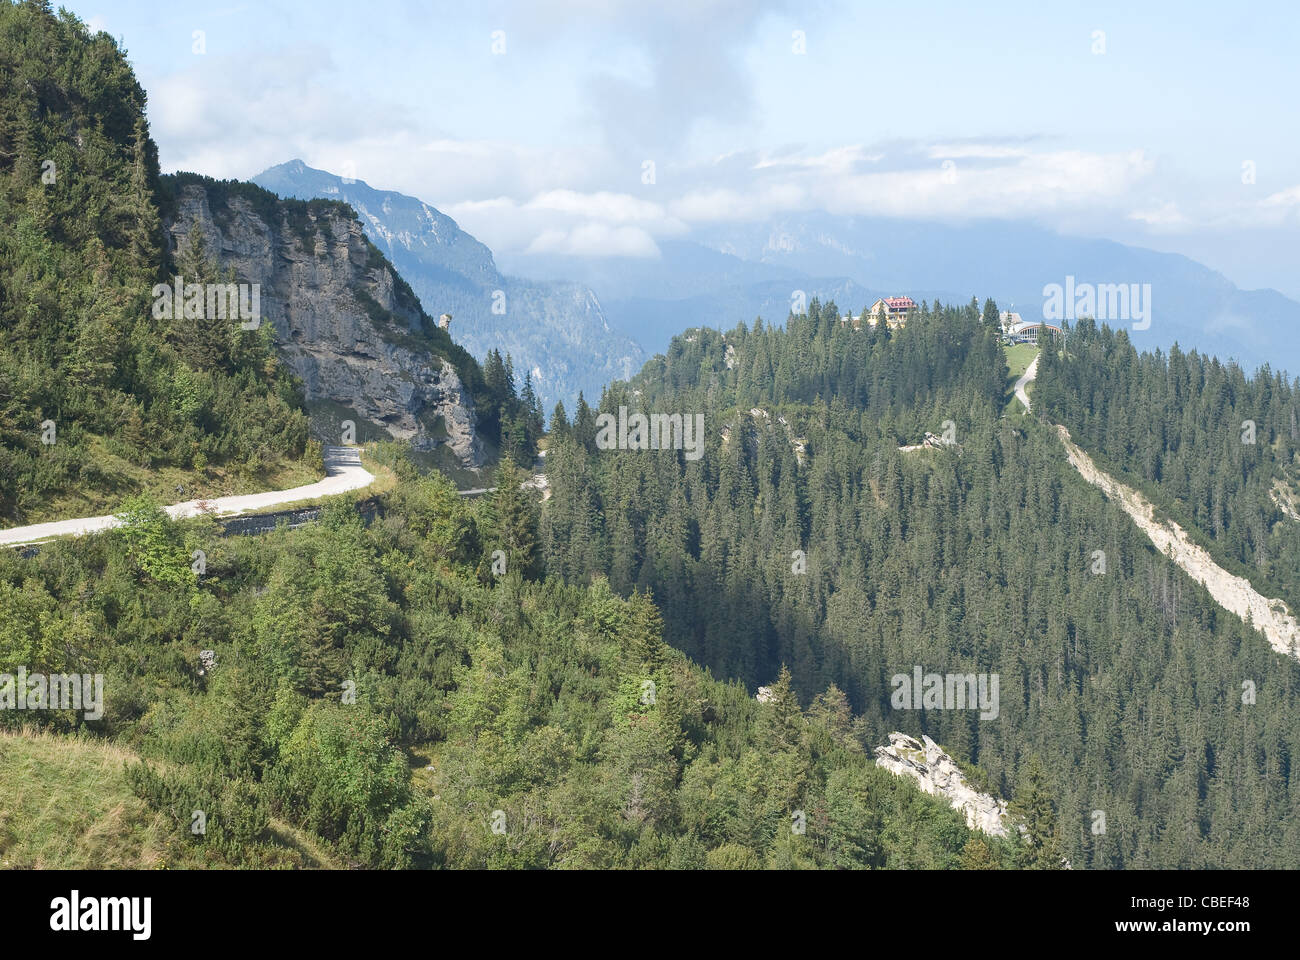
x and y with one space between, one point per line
937 773
313 294
555 331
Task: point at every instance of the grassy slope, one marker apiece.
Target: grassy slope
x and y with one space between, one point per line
1019 357
65 804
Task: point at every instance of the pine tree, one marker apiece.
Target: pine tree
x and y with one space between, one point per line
1033 808
992 318
513 521
559 421
532 409
584 424
976 855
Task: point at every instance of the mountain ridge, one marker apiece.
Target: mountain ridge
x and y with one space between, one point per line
555 331
1192 304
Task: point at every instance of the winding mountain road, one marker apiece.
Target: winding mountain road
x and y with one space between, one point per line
343 472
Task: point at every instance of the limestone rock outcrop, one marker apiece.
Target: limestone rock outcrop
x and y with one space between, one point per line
937 773
343 320
555 331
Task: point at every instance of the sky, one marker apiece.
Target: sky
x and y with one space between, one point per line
593 128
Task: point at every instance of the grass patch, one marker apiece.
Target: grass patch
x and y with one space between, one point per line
65 804
1019 357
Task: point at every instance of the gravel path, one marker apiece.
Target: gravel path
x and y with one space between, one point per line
1026 378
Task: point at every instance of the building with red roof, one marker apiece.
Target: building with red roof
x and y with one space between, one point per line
893 309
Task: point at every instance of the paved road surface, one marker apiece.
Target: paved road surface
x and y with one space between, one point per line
343 472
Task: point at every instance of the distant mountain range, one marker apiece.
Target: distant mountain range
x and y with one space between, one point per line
578 322
554 329
735 272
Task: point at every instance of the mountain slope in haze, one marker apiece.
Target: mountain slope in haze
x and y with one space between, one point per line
656 320
683 269
554 330
739 269
1012 262
654 299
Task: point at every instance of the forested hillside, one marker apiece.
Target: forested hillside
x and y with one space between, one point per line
100 397
79 254
1219 450
380 691
1125 680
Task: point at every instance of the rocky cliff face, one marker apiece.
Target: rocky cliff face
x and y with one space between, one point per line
343 321
937 773
555 331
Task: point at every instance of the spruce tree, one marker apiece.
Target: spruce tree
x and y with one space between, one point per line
513 520
1033 808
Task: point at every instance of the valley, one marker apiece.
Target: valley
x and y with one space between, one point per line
736 509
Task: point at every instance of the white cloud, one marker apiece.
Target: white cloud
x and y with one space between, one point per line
234 116
618 207
1164 215
1289 197
983 151
568 221
837 160
726 204
596 240
1035 184
222 117
690 59
747 187
1278 209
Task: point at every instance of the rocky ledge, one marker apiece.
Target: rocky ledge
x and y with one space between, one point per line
938 774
